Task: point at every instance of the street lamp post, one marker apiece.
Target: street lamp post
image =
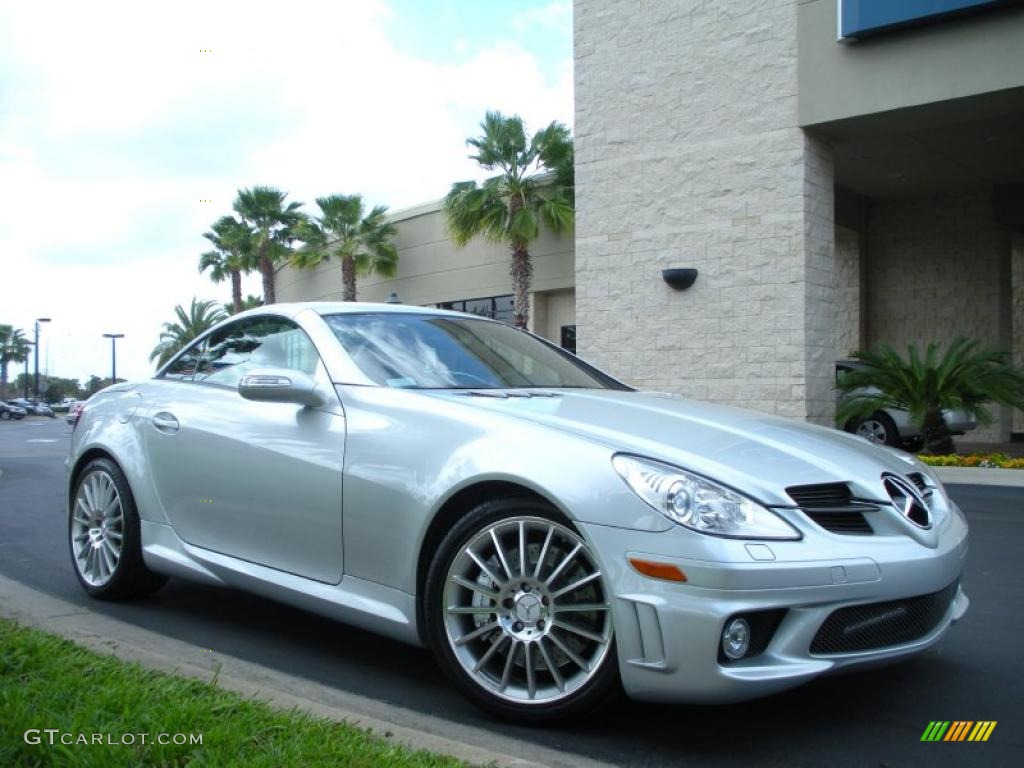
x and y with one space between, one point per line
38 321
113 354
25 385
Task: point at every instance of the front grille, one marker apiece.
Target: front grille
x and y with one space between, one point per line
832 506
879 625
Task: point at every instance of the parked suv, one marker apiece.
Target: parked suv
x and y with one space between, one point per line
892 426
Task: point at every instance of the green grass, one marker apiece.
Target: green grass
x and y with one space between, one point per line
49 682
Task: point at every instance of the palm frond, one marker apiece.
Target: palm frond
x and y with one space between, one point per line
191 323
510 206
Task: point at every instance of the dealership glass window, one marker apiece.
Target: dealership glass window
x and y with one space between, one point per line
495 307
568 338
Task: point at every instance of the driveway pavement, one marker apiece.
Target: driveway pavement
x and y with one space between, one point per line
872 718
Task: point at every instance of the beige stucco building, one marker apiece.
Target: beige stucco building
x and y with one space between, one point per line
832 193
432 271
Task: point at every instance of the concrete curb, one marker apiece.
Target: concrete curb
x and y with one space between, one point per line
1009 478
128 642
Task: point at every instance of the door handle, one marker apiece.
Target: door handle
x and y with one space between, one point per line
165 422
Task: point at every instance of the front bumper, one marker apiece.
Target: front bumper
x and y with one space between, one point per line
668 634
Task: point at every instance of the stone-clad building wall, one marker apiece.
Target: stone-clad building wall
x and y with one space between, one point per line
689 154
848 285
937 268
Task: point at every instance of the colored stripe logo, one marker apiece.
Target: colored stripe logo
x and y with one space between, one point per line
959 730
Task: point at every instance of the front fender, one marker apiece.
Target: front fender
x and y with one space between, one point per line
112 425
406 455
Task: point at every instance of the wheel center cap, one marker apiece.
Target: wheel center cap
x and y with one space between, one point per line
528 607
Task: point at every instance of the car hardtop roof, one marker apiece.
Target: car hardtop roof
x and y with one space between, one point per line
291 309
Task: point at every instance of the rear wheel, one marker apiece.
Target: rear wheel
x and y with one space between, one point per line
878 428
105 537
518 614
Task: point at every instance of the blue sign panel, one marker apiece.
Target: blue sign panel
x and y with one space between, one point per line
861 18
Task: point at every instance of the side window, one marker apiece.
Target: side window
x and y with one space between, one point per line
257 342
184 367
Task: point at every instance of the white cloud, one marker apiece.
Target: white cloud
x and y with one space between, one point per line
114 125
556 17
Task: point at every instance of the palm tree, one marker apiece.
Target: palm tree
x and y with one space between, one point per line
273 224
14 348
361 241
232 255
200 317
534 184
249 302
966 376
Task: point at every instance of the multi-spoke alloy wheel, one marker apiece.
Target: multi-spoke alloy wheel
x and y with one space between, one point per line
97 528
524 611
104 532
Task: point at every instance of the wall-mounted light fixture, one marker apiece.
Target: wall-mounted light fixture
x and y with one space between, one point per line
680 278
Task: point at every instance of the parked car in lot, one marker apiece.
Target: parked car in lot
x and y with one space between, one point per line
546 530
30 406
9 412
892 426
74 411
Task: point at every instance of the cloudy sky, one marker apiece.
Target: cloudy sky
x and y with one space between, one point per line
118 120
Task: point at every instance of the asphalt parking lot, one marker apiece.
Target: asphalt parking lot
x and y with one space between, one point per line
873 718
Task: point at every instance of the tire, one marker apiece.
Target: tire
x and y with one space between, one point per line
5 415
528 666
878 428
104 536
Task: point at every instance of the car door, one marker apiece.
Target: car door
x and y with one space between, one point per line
257 481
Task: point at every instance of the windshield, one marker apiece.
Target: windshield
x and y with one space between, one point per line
440 352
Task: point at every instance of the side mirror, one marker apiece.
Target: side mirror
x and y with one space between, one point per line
280 385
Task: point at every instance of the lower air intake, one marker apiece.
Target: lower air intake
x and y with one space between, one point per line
880 625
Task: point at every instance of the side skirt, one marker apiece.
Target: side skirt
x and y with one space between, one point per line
364 604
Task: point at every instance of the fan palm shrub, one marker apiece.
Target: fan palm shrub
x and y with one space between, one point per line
967 376
231 255
361 241
533 185
14 348
273 223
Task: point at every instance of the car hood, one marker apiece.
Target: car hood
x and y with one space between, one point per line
758 454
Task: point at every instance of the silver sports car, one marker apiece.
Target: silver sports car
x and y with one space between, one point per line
547 531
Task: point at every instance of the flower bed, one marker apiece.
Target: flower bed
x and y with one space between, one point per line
984 460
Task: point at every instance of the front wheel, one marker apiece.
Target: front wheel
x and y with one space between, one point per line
518 614
105 536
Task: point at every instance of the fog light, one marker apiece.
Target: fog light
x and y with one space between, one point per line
736 639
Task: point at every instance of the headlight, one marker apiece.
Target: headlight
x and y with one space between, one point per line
698 503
